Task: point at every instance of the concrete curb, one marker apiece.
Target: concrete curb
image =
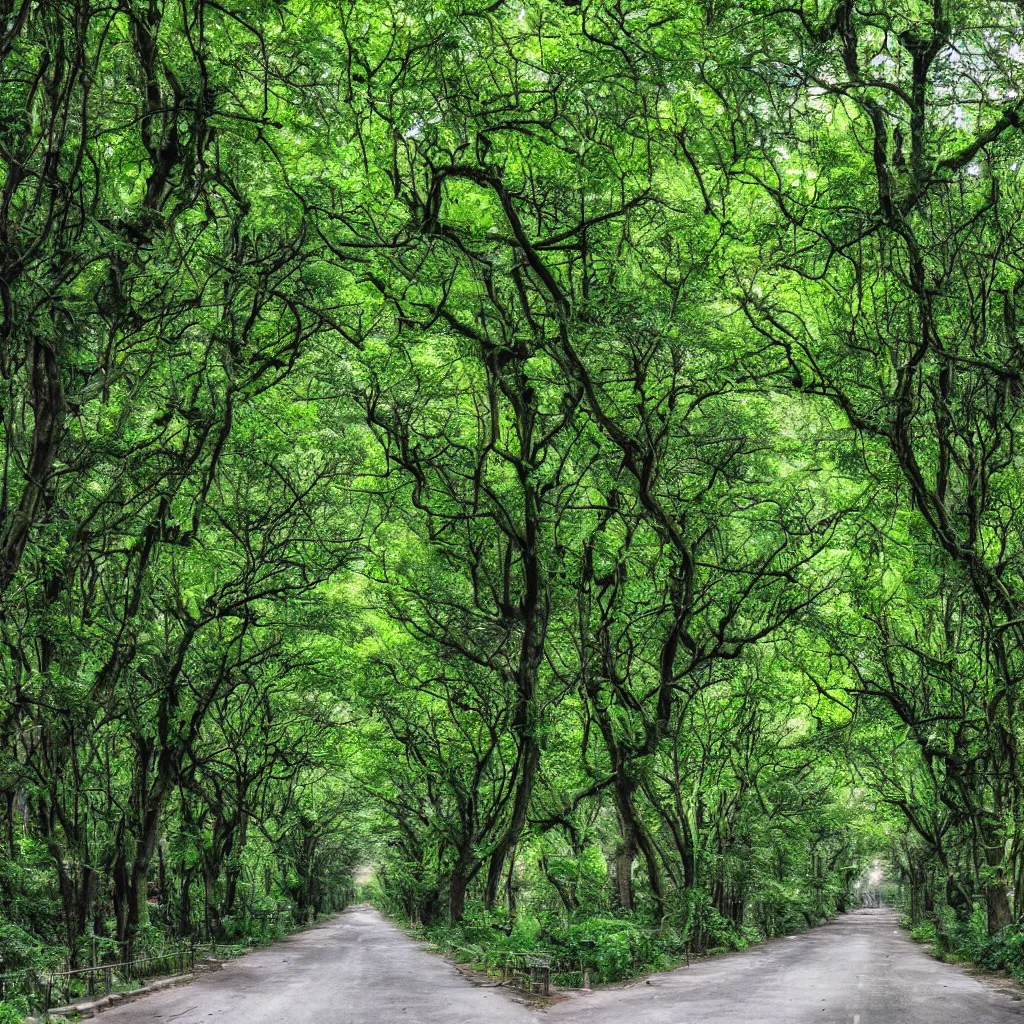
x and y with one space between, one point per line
94 1006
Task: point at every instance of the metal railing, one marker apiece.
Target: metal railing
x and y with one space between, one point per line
47 987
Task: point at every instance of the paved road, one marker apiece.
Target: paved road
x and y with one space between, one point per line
859 969
357 969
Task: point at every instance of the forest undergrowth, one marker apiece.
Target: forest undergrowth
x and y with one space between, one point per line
609 945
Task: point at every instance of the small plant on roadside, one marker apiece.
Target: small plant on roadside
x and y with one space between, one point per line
13 1011
925 932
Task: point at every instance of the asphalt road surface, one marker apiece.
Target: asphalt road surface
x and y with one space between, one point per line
358 969
354 969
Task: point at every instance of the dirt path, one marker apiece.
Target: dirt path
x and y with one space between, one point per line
358 969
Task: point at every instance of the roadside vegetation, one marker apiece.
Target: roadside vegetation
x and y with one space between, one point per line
608 946
970 942
566 454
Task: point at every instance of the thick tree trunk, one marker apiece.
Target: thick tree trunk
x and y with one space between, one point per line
231 877
234 844
69 901
521 805
997 903
457 896
997 899
131 878
636 837
211 922
534 609
138 909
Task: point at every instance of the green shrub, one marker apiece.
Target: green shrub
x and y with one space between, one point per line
18 949
1001 952
969 941
699 923
13 1011
611 948
525 932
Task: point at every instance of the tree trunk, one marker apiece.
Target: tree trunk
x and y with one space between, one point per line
565 893
530 764
997 903
534 607
209 895
510 884
997 900
635 837
457 896
688 854
916 878
916 904
48 407
958 897
138 879
185 904
625 853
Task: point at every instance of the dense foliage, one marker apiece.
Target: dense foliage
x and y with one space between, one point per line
563 455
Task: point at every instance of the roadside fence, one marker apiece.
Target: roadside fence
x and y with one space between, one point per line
45 988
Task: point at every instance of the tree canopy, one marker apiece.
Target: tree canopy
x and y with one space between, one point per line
561 455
